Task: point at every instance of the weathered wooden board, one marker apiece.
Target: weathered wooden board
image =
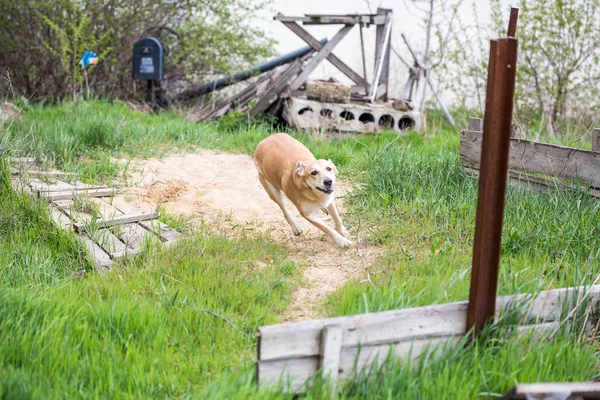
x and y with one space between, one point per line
100 258
596 140
554 391
133 235
542 158
106 209
164 231
52 185
309 19
369 337
59 217
118 220
533 182
20 185
69 194
108 242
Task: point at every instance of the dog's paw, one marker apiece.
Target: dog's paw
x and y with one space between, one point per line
297 231
342 231
343 242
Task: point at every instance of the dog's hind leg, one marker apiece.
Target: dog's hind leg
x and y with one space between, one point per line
275 195
339 226
316 221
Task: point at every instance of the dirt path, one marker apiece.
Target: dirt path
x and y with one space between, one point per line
210 185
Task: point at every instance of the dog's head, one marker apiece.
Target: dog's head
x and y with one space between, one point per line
318 175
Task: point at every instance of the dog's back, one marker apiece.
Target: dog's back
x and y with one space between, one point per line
276 157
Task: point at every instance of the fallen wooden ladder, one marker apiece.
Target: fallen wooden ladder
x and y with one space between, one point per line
106 224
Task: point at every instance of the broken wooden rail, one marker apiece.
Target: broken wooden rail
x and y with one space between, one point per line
558 164
294 354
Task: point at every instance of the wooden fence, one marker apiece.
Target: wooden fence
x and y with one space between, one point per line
527 157
295 353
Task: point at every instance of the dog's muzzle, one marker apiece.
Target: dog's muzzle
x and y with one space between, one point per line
327 191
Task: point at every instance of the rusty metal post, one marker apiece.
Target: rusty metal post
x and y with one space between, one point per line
492 182
512 22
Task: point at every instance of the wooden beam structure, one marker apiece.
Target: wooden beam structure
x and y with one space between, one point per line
319 57
314 43
351 19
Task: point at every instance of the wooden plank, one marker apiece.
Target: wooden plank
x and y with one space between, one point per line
56 186
109 242
298 372
331 347
59 217
119 220
312 19
163 231
381 47
133 235
20 185
295 374
106 209
535 183
319 57
542 158
596 140
548 391
302 339
126 208
67 195
271 95
332 58
99 256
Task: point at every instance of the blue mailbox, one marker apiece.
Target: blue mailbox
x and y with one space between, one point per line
148 59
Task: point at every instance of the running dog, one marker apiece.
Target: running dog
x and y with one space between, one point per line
286 165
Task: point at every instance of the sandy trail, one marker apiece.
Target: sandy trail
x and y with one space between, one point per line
210 185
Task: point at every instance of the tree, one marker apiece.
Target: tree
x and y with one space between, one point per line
558 56
40 42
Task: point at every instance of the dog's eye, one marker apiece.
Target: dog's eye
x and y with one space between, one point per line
328 168
313 173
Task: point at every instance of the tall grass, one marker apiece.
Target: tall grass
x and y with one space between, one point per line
87 137
418 203
180 323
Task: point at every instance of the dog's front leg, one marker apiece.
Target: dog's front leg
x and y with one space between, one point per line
339 226
314 219
275 195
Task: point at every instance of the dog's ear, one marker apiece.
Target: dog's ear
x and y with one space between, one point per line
300 168
335 171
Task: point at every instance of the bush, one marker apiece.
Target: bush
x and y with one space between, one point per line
41 42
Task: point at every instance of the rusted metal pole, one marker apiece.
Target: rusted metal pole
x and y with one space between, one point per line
492 182
512 22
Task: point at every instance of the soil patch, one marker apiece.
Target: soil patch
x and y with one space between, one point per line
211 185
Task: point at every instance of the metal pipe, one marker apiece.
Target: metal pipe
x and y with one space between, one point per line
246 74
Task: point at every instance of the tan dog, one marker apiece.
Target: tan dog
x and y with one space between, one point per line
285 164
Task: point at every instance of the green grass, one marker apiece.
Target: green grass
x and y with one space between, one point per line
418 203
163 324
146 330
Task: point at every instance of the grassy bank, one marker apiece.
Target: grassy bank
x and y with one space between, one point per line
180 323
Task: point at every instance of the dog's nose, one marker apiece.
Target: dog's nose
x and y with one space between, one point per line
327 182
